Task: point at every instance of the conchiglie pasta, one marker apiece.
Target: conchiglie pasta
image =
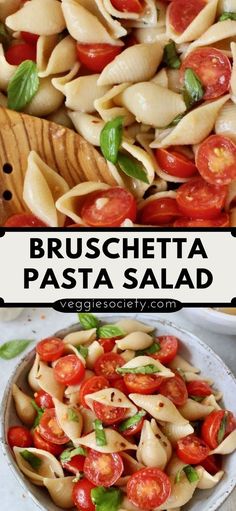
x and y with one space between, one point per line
62 58
46 100
154 449
226 121
180 363
47 382
206 480
80 337
114 442
8 7
227 446
176 431
108 106
43 17
95 350
217 33
132 325
159 407
49 466
88 126
71 203
60 490
69 419
7 70
143 360
197 27
192 410
23 405
112 397
135 340
82 92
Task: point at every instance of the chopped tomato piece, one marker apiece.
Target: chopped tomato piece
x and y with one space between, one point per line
75 465
169 346
103 469
108 414
142 383
43 399
19 436
30 38
175 163
24 220
69 370
220 221
216 160
183 12
217 426
160 211
93 384
49 428
18 53
175 389
45 445
96 56
50 349
107 344
212 464
199 199
109 208
198 388
107 364
148 488
192 450
81 495
128 5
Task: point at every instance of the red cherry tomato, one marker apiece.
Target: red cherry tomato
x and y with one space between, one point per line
212 464
18 53
107 364
182 13
108 414
30 38
212 424
19 436
45 445
169 347
199 388
148 488
216 160
50 349
43 399
133 430
119 204
175 163
81 495
212 67
103 469
107 344
192 450
220 221
120 385
69 370
75 465
24 220
49 428
128 5
93 384
175 389
142 383
159 211
198 199
96 56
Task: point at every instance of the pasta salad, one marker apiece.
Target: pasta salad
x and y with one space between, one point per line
118 418
151 84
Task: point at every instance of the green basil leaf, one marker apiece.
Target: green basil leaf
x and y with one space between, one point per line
88 320
191 473
72 415
12 349
82 350
132 167
154 348
106 499
222 429
68 454
40 412
170 56
176 120
193 89
227 16
107 331
99 433
131 421
23 85
33 460
148 369
110 139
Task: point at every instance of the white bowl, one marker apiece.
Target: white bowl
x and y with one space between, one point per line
197 353
211 319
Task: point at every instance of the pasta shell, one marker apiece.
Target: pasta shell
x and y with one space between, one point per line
60 491
8 7
197 27
181 493
206 480
159 407
226 6
148 17
69 348
227 446
32 376
144 360
42 187
80 337
115 442
211 401
82 92
95 350
88 420
180 363
23 404
114 27
7 71
190 376
174 466
71 203
146 160
215 34
108 108
151 35
161 78
43 17
71 389
176 431
46 100
232 217
48 383
60 82
192 410
49 467
88 126
127 355
153 447
62 58
135 341
71 426
226 121
130 325
111 397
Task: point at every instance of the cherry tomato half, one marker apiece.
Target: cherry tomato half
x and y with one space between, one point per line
81 495
96 56
148 488
198 199
24 220
108 414
107 344
169 347
109 208
19 436
30 38
212 464
192 450
75 465
182 13
93 384
175 389
103 469
159 211
213 69
50 349
216 160
18 53
220 221
49 428
107 364
41 443
142 383
175 163
133 430
212 424
43 399
199 388
69 370
128 5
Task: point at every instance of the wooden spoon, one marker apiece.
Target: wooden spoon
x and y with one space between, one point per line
62 149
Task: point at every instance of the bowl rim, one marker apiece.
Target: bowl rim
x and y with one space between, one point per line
144 317
215 314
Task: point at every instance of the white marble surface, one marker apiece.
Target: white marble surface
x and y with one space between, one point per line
39 323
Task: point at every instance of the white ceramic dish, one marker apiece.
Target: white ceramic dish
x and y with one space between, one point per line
212 319
194 350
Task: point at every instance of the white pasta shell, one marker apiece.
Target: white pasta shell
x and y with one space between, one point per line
88 126
23 404
192 410
49 467
227 446
47 382
226 121
131 325
180 363
88 420
181 493
108 108
60 81
72 428
226 6
144 360
7 70
161 78
60 491
71 203
112 397
135 341
211 401
32 376
82 92
160 407
43 17
176 431
214 35
115 442
154 449
61 59
81 337
95 350
206 480
197 27
174 466
46 100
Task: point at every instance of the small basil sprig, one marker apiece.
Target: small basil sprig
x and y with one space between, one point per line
23 85
106 499
40 412
12 349
170 56
176 120
222 429
110 139
131 421
107 331
82 350
33 460
148 369
154 348
132 167
227 16
99 433
88 320
190 473
193 89
68 454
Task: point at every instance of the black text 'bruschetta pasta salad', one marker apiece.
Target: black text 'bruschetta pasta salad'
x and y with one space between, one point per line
118 418
151 83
